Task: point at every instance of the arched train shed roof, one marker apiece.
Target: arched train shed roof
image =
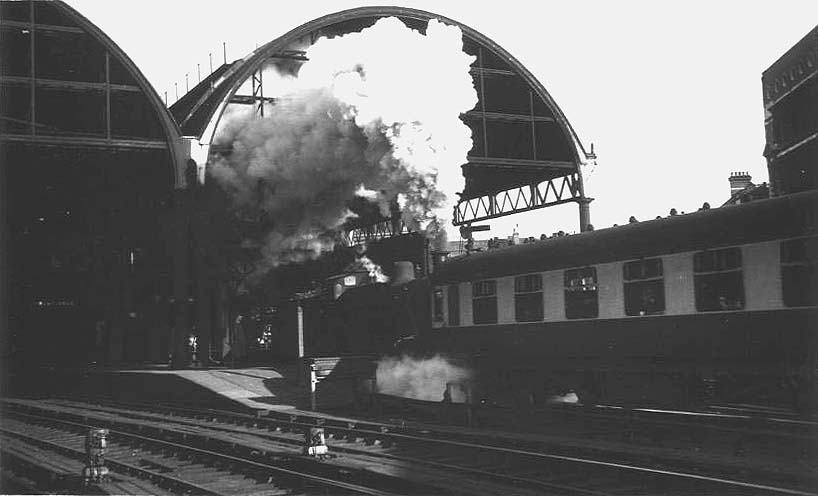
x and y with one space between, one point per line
89 93
520 135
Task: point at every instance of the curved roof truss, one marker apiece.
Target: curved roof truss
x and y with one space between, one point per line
526 155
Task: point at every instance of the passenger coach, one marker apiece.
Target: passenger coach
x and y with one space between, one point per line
718 305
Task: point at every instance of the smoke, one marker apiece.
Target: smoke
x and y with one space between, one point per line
375 271
373 114
423 379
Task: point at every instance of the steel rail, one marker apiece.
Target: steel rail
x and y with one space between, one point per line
641 415
527 453
264 433
216 455
120 466
586 461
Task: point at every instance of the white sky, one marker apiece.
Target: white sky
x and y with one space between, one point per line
668 92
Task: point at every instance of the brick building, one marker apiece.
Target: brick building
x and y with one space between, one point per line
791 118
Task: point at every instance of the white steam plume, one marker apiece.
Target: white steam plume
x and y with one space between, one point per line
374 113
375 271
422 379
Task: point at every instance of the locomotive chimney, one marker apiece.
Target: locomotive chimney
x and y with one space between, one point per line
739 181
404 272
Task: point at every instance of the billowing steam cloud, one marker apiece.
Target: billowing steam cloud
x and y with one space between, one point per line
373 114
375 271
422 379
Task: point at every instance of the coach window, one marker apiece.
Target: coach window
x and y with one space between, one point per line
528 298
454 305
581 296
644 287
437 305
798 272
484 302
718 280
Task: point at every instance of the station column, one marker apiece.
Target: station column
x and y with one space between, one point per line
181 279
584 213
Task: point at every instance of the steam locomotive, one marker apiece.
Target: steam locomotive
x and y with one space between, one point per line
719 305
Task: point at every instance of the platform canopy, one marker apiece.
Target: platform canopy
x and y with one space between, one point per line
525 153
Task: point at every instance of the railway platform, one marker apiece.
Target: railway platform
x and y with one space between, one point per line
252 387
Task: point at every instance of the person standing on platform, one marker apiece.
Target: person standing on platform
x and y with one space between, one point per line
238 344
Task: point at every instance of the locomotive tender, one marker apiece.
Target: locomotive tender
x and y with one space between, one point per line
717 305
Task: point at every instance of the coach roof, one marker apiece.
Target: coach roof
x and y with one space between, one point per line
762 220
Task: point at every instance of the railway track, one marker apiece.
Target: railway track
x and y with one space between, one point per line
411 460
177 468
28 468
732 434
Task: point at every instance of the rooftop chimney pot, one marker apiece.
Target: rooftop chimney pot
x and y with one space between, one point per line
739 181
